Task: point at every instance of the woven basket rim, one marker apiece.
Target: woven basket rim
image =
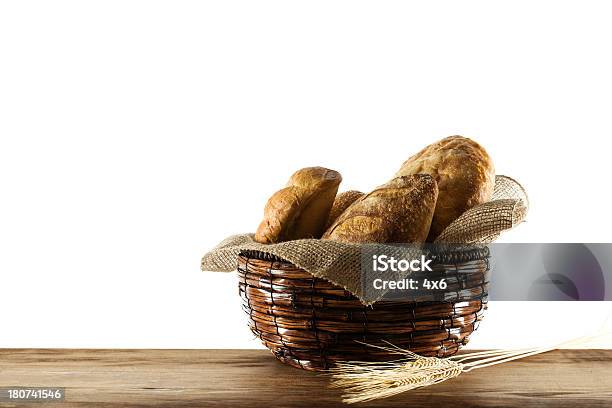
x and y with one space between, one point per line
443 254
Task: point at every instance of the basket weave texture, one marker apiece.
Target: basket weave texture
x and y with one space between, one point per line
310 323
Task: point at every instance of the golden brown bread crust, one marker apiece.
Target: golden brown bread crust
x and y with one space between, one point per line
299 210
341 203
397 212
464 172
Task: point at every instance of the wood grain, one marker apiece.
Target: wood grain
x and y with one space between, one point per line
253 378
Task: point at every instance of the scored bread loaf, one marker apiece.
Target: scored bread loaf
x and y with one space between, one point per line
397 212
300 210
464 173
341 203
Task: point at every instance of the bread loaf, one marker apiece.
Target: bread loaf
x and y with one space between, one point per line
399 211
341 203
300 210
464 173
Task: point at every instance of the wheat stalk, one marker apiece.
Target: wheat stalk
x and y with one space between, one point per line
365 381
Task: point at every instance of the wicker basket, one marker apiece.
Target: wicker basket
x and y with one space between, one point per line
310 323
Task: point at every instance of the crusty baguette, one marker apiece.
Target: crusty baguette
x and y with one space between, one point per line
299 210
397 212
341 203
464 173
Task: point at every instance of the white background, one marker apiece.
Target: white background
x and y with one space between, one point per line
137 135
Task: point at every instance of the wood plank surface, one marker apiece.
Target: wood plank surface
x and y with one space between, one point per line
253 378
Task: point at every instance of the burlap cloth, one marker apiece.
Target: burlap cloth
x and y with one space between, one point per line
340 263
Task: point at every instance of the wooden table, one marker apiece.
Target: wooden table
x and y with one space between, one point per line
253 378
